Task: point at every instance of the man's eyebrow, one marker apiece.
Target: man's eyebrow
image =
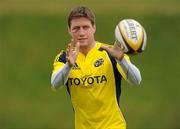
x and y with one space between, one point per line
75 26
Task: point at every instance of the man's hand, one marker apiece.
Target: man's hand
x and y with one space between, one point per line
72 53
115 51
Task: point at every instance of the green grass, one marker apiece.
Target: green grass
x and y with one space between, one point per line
30 39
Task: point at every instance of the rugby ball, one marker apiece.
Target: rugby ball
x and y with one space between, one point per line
131 36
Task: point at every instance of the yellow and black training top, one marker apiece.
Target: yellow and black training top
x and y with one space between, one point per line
94 85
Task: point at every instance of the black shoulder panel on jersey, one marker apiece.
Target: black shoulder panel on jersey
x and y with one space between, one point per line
68 90
101 49
62 57
117 75
67 87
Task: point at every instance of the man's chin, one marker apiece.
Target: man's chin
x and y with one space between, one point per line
82 43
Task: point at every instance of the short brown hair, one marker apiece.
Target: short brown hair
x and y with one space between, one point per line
81 11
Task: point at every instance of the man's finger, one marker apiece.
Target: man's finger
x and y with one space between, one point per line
72 43
77 45
68 49
118 46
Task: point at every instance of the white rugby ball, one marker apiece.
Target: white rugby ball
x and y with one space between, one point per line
131 36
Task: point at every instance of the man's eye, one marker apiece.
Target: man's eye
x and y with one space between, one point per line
75 29
86 27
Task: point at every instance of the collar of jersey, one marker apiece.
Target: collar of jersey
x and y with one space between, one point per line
90 53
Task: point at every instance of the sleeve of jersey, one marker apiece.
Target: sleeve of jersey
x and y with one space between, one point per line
60 71
129 71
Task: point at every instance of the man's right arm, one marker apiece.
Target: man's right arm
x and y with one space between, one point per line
63 64
60 77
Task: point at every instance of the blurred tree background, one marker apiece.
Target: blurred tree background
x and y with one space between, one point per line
32 32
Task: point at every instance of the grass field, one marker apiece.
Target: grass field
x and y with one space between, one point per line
33 31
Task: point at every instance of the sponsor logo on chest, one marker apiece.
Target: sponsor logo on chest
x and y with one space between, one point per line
87 80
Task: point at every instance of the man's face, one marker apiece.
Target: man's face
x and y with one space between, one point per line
82 31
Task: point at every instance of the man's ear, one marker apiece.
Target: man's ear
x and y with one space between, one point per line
94 26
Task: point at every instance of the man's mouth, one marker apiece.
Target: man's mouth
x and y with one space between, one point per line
82 39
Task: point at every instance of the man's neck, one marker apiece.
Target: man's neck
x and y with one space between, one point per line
84 50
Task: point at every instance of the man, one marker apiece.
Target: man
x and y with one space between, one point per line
92 72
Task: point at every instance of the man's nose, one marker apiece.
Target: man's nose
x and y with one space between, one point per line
81 32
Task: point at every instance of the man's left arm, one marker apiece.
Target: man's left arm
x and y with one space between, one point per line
131 72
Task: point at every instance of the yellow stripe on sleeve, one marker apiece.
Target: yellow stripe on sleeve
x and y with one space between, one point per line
126 57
